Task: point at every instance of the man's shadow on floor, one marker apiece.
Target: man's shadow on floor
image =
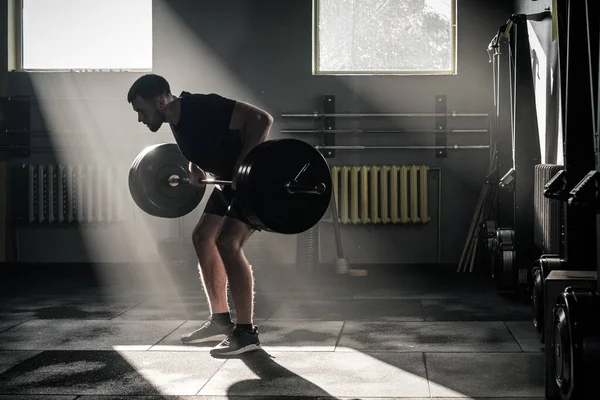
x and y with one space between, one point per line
272 377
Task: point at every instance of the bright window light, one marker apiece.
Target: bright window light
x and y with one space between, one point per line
87 35
385 37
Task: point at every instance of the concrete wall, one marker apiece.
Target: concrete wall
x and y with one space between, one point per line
3 163
261 52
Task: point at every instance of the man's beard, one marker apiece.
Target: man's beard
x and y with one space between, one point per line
154 127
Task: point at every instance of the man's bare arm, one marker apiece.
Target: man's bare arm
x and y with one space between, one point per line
254 125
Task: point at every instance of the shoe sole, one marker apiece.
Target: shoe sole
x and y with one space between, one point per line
241 350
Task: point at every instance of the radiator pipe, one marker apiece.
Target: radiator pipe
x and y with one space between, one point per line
381 115
355 147
381 131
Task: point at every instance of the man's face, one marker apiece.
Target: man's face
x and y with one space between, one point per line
149 112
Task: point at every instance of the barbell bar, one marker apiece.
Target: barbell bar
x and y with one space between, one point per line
383 115
377 131
292 186
284 185
423 147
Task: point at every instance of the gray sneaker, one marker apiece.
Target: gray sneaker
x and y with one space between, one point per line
237 342
209 329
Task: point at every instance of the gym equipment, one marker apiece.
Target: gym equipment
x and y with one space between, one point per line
578 34
577 342
548 213
556 282
284 186
317 115
487 232
514 167
542 267
504 258
572 336
342 265
149 182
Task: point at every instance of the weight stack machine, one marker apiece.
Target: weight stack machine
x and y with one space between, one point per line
549 212
513 250
571 324
501 214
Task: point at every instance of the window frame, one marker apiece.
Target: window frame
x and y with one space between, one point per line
15 50
315 56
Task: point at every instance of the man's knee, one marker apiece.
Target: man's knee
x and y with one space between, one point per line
203 236
229 244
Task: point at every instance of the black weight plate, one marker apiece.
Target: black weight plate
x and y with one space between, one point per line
149 186
577 336
137 197
537 303
241 182
504 259
243 188
262 181
563 349
542 267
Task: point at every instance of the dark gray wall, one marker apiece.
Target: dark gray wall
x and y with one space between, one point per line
261 52
3 163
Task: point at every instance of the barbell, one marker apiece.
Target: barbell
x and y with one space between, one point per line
284 185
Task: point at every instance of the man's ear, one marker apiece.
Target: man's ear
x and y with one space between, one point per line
162 102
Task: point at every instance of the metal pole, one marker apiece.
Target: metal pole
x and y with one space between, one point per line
341 264
381 115
381 131
454 147
45 149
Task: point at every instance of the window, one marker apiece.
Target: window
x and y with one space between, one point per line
384 37
86 35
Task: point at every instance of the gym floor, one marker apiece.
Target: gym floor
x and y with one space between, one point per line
396 333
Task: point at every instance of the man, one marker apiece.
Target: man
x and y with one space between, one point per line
215 134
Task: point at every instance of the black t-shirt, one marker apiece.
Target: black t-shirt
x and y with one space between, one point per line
203 133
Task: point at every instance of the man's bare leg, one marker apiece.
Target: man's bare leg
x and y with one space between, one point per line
214 279
231 239
212 269
244 337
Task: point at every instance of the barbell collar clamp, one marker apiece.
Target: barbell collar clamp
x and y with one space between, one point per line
175 180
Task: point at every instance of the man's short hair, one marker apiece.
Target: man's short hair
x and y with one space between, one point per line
149 86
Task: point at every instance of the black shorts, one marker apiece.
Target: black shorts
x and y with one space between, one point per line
223 202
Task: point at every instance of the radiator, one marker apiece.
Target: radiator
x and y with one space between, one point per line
60 193
548 213
386 194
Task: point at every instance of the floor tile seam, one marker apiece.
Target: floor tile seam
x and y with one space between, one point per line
127 309
168 334
513 336
427 373
211 377
19 324
339 336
